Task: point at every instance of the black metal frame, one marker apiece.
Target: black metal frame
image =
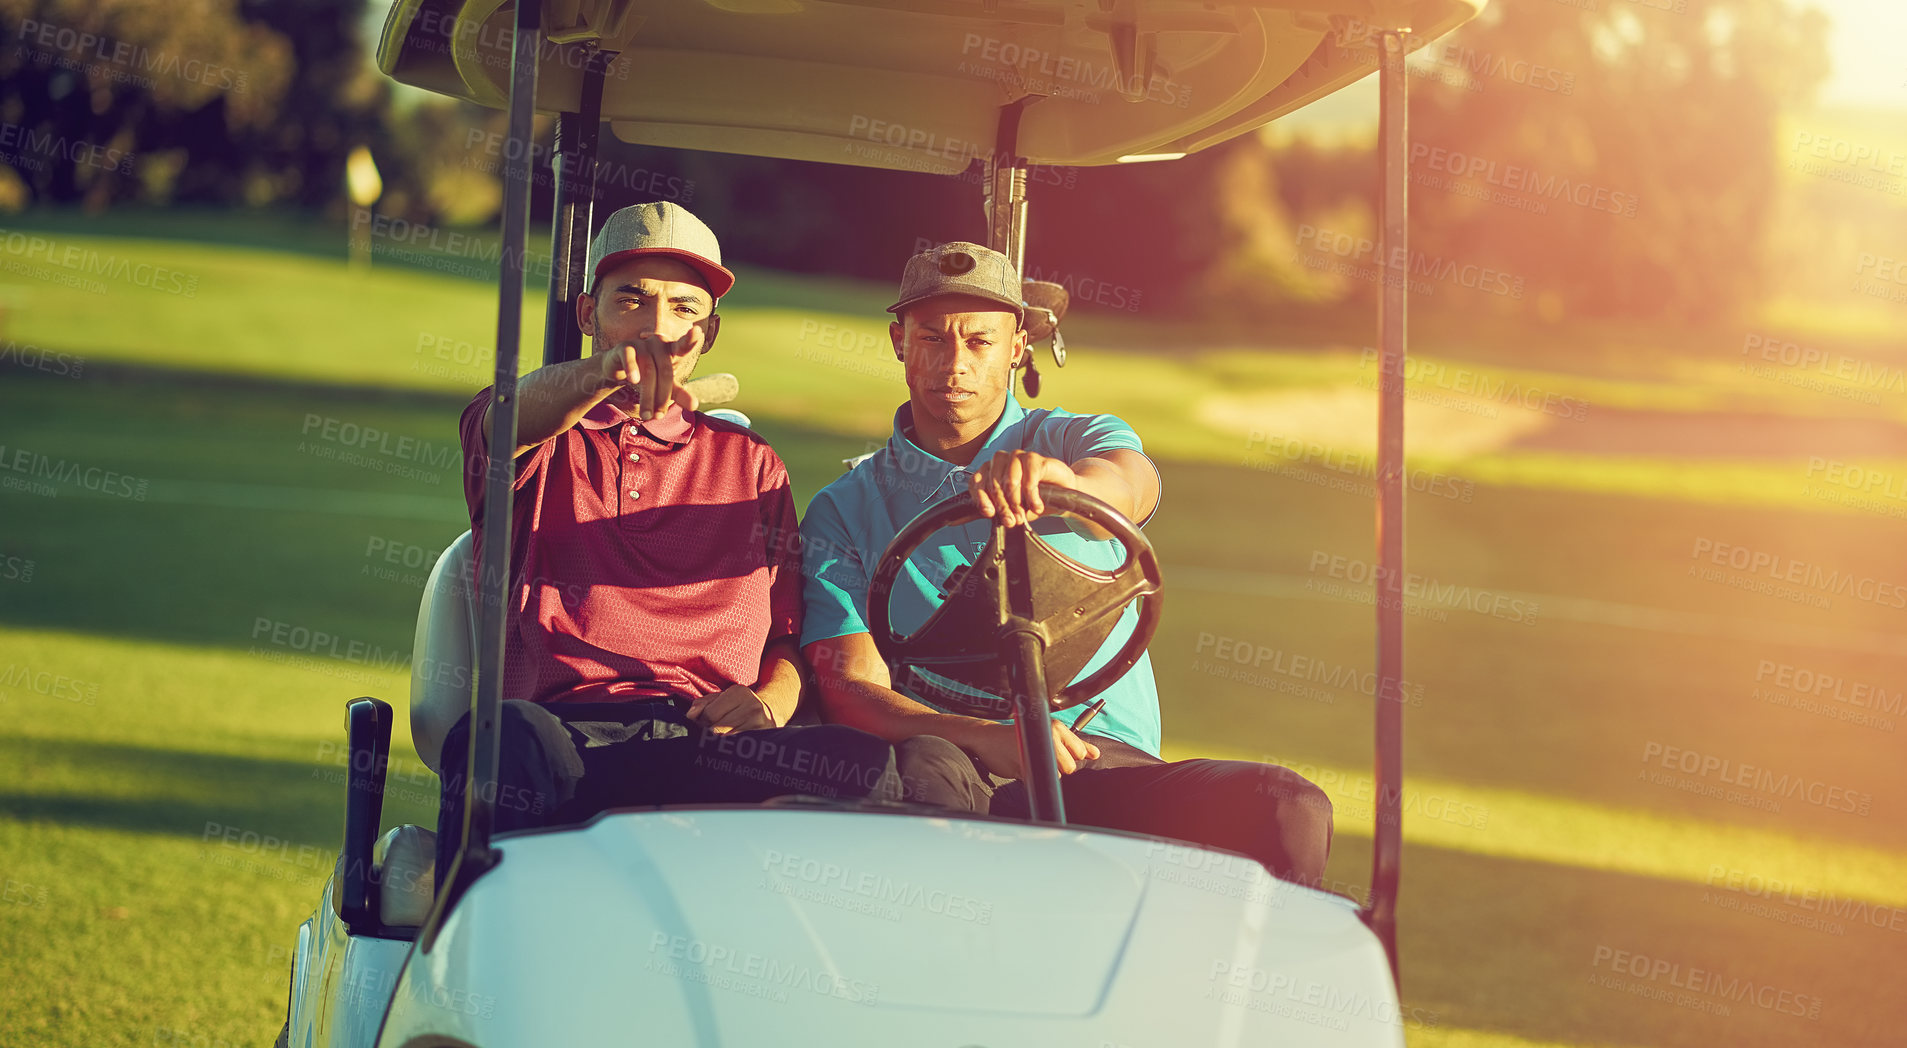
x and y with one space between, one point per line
477 856
1005 202
573 163
367 734
1393 247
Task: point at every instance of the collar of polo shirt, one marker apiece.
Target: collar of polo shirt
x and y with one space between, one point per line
912 460
670 427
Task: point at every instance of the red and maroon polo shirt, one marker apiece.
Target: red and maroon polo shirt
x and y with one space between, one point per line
648 559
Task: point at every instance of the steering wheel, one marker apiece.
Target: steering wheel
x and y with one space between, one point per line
1021 612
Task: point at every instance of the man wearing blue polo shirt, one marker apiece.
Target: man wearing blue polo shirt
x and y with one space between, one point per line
958 333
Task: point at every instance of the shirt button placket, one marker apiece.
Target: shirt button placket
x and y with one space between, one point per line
631 489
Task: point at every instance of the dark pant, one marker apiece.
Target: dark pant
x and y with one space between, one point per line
560 763
1270 813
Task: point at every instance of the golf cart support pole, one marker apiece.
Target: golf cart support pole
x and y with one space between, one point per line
1023 648
1004 197
493 568
1393 144
1004 187
573 162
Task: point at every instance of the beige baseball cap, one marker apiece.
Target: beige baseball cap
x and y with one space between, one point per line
660 228
960 268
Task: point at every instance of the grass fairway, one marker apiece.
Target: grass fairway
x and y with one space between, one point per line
1572 630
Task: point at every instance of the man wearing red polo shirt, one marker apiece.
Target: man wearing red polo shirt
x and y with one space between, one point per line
655 593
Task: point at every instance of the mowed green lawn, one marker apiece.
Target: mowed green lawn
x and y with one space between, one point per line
156 737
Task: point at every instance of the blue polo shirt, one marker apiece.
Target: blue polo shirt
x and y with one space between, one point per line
851 521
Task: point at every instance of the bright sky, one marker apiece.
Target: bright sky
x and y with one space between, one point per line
1868 43
1867 46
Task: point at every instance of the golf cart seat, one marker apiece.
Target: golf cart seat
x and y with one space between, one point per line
444 651
406 865
404 861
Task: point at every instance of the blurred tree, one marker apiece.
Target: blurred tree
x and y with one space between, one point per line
334 100
208 101
144 86
1644 130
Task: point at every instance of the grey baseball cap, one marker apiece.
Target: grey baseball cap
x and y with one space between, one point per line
660 228
960 268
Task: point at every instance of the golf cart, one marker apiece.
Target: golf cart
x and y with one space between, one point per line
800 920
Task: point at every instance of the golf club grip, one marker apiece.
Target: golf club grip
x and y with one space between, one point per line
715 390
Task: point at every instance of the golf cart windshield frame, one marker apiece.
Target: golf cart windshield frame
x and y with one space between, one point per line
1004 187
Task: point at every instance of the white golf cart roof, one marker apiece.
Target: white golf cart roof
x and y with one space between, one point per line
917 85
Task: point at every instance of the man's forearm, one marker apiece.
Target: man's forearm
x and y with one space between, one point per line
882 711
779 686
552 398
1107 483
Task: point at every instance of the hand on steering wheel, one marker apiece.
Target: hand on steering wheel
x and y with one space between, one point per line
1008 485
1018 586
